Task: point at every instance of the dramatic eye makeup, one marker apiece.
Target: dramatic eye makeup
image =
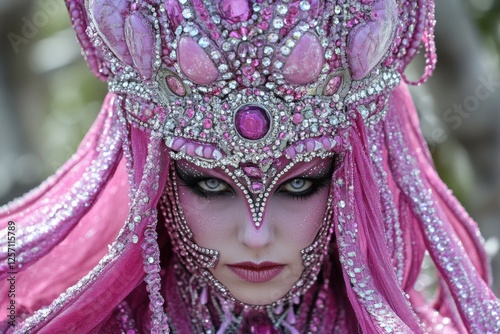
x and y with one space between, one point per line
203 185
207 186
303 187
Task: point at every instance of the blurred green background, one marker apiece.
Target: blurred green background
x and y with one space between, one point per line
49 99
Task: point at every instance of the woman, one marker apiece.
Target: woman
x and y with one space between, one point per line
275 177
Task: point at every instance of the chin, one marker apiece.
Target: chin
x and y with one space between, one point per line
259 296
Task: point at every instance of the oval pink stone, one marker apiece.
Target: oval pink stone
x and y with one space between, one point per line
175 85
252 122
368 43
195 63
333 85
305 62
140 39
109 19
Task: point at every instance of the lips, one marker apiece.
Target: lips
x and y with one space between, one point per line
257 272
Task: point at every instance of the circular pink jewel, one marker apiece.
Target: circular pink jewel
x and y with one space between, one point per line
297 118
252 122
207 123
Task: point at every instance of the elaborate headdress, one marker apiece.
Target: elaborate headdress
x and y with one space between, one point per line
239 85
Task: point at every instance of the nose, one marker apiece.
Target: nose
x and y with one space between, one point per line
255 237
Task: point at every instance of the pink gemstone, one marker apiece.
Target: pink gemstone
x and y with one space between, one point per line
310 145
257 187
174 12
207 123
175 86
178 143
263 25
109 18
252 122
297 118
235 10
195 63
326 143
368 43
252 171
290 152
234 34
333 86
191 149
140 38
305 62
208 151
248 71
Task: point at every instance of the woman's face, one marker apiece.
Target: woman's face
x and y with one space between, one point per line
258 265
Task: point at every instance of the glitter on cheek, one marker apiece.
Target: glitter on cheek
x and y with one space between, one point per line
299 220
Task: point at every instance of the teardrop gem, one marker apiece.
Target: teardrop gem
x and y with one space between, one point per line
195 63
305 62
333 85
368 43
109 19
141 43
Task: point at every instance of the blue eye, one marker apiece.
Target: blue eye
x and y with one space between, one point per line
213 185
303 188
297 186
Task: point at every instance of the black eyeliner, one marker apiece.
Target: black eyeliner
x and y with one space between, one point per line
318 183
192 183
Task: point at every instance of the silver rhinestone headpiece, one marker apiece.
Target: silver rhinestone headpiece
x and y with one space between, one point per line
243 83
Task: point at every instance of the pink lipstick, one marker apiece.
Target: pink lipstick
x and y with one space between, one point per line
257 273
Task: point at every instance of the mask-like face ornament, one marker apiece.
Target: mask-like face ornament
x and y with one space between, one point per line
251 88
206 207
